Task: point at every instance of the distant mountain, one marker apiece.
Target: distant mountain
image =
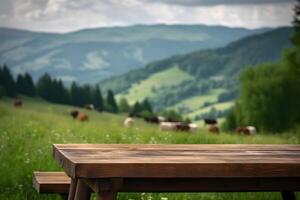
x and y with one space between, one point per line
95 54
182 81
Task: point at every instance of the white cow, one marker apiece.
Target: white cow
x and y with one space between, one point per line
167 126
193 127
128 122
252 130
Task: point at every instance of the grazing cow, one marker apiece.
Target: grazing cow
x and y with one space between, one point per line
182 127
193 127
168 126
214 129
89 107
154 119
177 126
210 122
18 103
169 119
82 117
247 130
128 122
74 113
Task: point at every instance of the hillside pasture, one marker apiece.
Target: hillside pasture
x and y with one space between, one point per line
197 102
147 88
27 135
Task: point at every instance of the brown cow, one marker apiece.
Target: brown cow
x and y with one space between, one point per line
18 103
74 113
82 117
214 129
182 127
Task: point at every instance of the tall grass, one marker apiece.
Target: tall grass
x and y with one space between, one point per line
27 135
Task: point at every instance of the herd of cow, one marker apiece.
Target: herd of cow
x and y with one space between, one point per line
165 124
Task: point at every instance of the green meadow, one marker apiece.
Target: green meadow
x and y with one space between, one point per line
144 89
27 135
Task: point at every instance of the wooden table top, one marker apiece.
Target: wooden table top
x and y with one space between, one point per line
178 161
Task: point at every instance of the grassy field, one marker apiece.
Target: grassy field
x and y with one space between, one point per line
27 133
139 91
197 102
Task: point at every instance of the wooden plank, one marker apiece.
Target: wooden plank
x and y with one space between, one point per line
186 161
51 182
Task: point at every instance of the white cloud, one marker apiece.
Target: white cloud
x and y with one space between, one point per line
68 15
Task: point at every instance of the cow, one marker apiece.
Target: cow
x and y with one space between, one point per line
246 130
89 107
177 126
182 127
252 130
74 113
214 129
18 103
128 122
193 127
210 122
82 117
168 126
153 120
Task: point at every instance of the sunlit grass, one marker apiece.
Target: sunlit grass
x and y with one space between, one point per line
144 89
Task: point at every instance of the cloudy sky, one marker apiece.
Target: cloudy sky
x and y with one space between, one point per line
70 15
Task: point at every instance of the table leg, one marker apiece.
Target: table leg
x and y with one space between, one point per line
288 195
72 189
83 191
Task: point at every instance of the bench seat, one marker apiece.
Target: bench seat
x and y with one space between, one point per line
51 182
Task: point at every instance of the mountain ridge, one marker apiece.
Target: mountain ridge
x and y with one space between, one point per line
40 52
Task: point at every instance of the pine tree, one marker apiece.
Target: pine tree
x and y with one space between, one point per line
8 82
136 110
30 88
21 84
75 95
44 87
86 92
147 106
62 95
97 98
111 102
25 85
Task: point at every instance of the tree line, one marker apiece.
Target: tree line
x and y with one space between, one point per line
53 90
270 93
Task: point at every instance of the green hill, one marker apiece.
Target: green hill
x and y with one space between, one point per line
90 55
27 135
207 70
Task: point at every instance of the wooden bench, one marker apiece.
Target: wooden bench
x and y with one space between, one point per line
107 169
59 183
52 183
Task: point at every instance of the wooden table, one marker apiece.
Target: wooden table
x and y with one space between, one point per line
111 168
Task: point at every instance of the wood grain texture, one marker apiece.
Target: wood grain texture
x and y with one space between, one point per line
51 182
175 161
